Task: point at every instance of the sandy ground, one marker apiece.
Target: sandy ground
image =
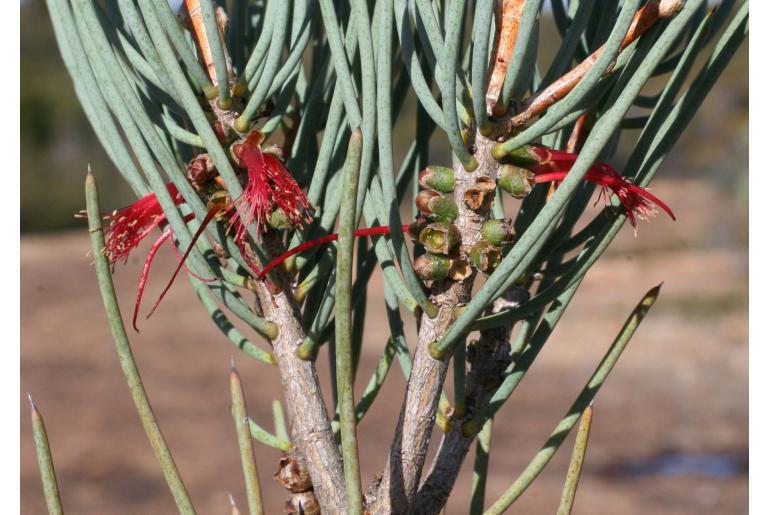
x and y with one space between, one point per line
670 432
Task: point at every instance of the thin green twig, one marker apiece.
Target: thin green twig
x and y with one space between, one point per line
576 463
583 400
279 421
125 356
45 462
261 435
249 464
343 325
216 45
480 466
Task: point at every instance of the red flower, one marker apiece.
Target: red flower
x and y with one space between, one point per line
129 226
553 165
269 186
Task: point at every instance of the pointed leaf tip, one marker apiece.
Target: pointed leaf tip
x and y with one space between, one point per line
90 179
649 299
31 402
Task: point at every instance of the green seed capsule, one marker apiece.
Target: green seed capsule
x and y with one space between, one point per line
515 180
444 210
436 207
440 237
485 256
438 178
498 232
432 267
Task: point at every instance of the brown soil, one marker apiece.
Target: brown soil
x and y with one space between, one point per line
681 386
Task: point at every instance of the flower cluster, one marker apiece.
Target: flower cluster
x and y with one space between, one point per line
270 194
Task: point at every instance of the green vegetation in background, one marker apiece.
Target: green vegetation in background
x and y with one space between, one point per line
56 140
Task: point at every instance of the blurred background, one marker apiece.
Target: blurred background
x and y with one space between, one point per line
670 433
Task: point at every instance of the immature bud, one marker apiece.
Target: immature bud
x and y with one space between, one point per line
278 220
481 194
438 178
219 200
432 267
485 256
237 147
498 232
440 237
529 155
436 207
515 180
200 170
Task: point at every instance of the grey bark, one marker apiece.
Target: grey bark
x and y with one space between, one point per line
308 418
487 359
397 491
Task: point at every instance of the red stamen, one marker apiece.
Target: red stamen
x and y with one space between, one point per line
209 217
369 231
607 175
240 240
269 186
187 269
145 273
129 226
634 199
